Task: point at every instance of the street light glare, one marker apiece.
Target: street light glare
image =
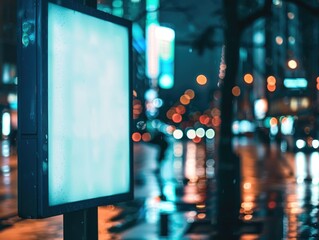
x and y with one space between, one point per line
292 64
279 40
236 91
190 93
248 78
201 79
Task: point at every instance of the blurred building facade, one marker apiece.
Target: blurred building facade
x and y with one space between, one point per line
278 69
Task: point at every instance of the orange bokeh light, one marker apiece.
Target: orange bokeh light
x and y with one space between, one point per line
271 88
273 121
177 118
190 93
146 137
236 91
136 137
216 121
201 215
271 80
201 79
184 99
197 139
248 78
204 119
180 109
170 113
134 93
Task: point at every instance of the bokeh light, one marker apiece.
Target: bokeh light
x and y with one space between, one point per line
146 137
190 93
271 83
178 134
134 93
200 132
279 40
216 121
201 79
215 112
136 137
204 119
210 133
184 99
248 78
137 108
196 139
291 15
271 88
170 113
191 134
177 118
292 64
236 91
291 40
180 109
271 80
273 121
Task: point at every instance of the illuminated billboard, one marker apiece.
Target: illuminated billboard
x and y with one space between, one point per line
75 150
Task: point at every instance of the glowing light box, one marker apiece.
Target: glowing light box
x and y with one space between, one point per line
295 83
75 152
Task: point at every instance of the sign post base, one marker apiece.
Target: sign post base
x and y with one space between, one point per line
81 225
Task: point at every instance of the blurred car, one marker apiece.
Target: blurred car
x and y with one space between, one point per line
305 135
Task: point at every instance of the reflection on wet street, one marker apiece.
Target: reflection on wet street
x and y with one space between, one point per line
176 199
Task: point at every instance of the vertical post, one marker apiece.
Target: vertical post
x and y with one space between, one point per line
228 168
81 224
164 223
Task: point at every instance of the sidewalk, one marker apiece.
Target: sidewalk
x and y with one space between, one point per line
121 221
276 205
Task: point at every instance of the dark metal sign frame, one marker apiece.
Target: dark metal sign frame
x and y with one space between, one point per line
33 138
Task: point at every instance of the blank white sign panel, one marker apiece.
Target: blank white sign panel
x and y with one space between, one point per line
88 107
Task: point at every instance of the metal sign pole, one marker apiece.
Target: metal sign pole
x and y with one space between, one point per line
81 224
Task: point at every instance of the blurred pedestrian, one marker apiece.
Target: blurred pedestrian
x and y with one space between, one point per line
159 139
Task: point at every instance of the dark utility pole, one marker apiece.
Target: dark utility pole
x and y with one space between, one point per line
228 178
229 170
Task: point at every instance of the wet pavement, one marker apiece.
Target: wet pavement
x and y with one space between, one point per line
280 195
